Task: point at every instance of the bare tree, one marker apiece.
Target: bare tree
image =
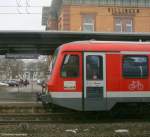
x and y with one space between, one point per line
11 68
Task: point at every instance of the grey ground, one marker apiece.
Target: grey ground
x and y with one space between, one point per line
19 94
134 129
126 128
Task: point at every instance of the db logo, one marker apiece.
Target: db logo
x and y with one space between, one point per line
136 85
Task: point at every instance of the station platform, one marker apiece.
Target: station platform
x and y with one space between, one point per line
19 94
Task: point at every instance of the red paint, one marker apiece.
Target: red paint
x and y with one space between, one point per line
114 79
113 73
56 83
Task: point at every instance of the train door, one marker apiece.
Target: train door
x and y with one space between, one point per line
94 81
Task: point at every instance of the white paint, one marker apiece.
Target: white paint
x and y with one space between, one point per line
109 94
72 130
135 85
94 83
135 52
119 42
69 85
124 94
122 131
66 94
128 53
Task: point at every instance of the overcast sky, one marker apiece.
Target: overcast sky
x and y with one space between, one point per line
22 14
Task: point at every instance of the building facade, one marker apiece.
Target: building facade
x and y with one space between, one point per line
100 15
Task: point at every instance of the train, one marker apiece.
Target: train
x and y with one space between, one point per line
96 75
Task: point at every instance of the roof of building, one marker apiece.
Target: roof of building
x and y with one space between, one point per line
123 3
47 41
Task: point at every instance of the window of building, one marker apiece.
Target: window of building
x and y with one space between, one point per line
118 2
134 3
128 25
88 23
76 1
118 25
147 3
126 2
102 2
67 1
135 66
141 3
123 24
87 1
111 2
70 66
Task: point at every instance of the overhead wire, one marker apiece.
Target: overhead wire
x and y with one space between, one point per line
22 7
11 13
18 2
32 6
27 5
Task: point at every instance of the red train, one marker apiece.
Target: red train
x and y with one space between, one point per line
95 75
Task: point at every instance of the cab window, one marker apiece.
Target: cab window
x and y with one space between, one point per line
53 60
70 67
135 66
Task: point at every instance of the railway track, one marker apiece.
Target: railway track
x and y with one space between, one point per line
36 113
53 117
28 118
69 118
33 120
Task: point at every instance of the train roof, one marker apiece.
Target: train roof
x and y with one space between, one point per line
108 46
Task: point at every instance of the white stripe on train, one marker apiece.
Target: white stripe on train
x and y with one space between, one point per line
66 94
118 94
109 94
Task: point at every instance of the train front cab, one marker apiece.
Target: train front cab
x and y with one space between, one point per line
80 81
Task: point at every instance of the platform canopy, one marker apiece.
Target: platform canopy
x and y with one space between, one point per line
45 42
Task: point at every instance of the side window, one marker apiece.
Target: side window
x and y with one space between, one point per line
135 66
70 67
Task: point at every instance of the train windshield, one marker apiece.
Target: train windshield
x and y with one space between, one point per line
53 60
